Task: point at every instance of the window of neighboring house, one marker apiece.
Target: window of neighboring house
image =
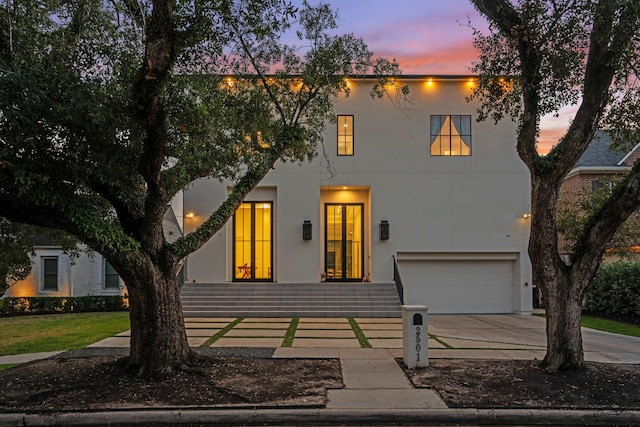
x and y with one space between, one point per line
596 185
451 135
50 273
111 278
345 135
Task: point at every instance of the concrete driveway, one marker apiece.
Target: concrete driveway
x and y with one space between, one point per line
519 336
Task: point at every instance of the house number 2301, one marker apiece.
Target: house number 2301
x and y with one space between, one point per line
418 346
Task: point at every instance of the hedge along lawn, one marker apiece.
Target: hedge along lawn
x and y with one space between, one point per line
57 332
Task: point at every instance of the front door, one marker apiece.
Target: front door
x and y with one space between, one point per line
344 241
252 248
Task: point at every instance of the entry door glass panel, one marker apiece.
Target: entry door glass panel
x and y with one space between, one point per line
252 241
344 256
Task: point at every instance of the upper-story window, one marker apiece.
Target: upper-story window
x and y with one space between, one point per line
111 278
345 135
50 273
451 135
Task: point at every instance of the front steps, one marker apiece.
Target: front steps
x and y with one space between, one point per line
290 300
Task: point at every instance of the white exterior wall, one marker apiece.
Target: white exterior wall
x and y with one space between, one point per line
81 276
436 206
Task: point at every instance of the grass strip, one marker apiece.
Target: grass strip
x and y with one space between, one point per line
8 365
58 332
291 332
607 325
610 326
221 332
362 339
438 340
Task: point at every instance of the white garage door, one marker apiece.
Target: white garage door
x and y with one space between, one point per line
459 286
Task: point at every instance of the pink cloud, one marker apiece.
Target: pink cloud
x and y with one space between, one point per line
450 59
552 129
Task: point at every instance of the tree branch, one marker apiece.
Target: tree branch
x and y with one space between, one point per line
510 22
604 223
194 240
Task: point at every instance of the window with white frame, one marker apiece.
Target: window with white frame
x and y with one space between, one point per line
111 277
50 273
450 135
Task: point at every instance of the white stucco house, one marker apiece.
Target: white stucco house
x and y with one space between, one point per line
56 274
423 185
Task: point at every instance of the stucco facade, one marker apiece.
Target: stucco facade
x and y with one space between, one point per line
456 223
80 276
56 274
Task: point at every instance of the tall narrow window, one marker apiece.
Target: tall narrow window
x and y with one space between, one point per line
50 273
252 241
345 135
344 241
111 278
450 135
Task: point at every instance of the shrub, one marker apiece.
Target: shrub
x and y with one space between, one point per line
48 305
615 289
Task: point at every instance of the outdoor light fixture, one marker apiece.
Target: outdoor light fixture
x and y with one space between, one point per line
306 230
526 215
384 230
190 215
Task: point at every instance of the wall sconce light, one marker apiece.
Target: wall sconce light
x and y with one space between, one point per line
384 230
306 230
526 215
190 215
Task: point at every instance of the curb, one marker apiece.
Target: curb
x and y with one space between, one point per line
301 417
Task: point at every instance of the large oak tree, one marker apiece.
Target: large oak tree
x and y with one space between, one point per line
110 108
539 56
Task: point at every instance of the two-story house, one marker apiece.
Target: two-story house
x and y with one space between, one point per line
423 185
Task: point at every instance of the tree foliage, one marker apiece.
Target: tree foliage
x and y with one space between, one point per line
574 210
15 248
108 109
539 56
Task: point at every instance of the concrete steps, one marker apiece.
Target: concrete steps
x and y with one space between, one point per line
290 300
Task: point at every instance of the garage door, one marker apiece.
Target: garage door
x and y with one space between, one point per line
459 286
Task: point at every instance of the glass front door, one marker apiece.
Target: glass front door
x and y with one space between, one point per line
344 242
252 248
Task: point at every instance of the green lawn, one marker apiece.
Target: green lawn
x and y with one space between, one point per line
53 332
607 325
610 326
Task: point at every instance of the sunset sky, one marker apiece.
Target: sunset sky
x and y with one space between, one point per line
426 37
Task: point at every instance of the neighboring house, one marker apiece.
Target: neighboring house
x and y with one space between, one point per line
599 165
56 274
424 184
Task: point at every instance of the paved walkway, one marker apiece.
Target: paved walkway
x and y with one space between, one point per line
450 336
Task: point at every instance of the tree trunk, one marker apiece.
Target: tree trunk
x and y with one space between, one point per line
159 343
561 289
563 308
